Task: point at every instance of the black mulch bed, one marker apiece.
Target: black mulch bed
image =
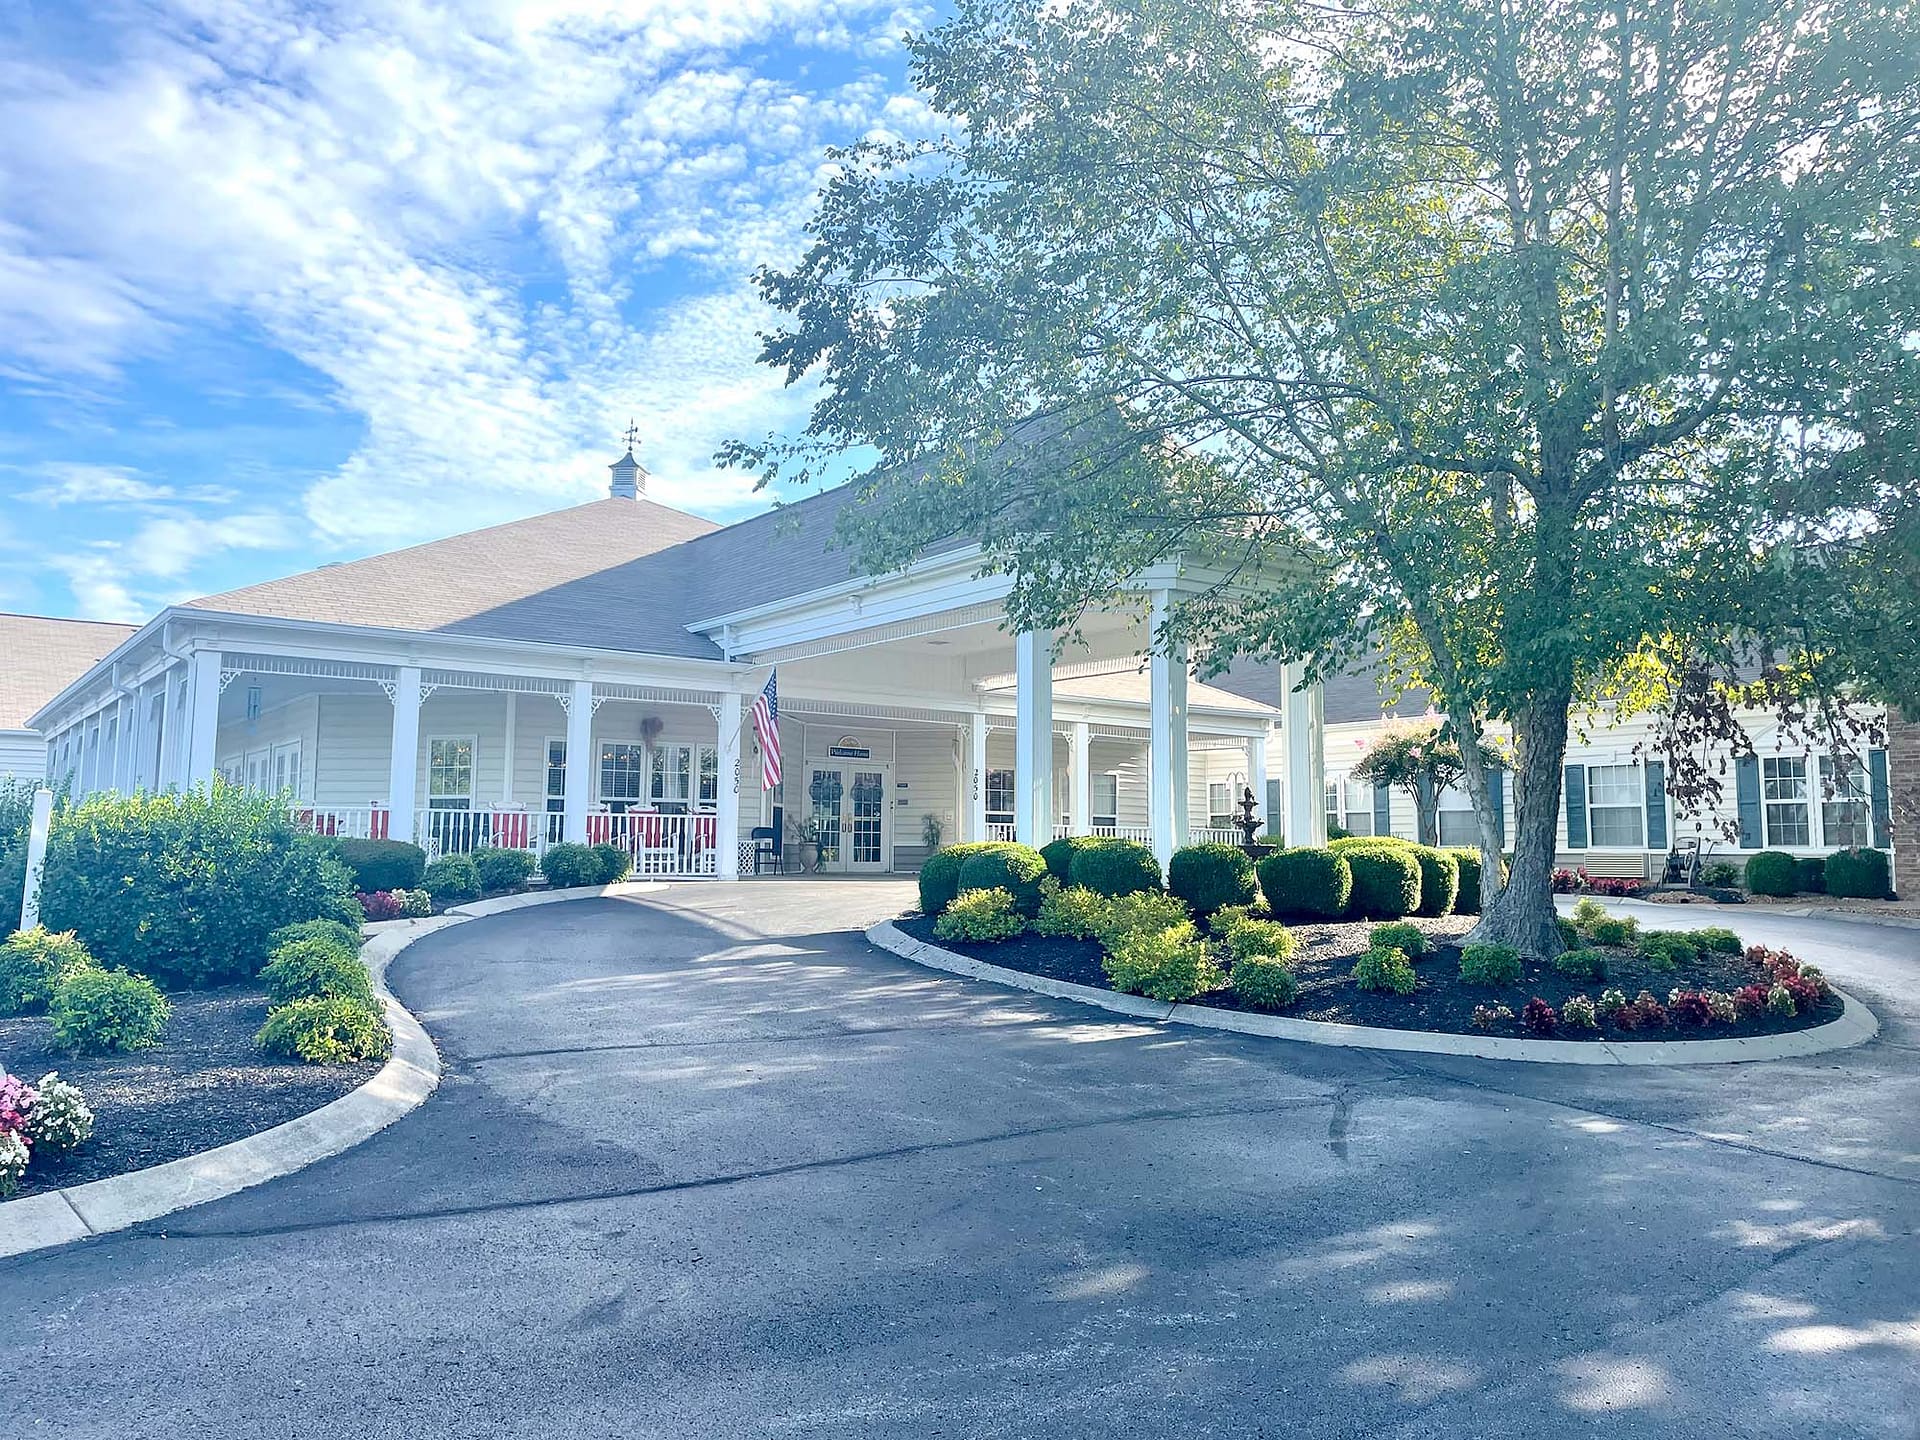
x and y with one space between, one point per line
1323 963
203 1085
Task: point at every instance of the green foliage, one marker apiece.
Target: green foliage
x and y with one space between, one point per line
1117 867
382 864
1439 880
1666 949
1716 938
325 1030
499 868
1772 872
1581 964
940 875
1466 860
1070 912
414 904
1212 876
1386 880
1169 963
346 937
1059 854
1490 965
981 915
95 1010
186 887
1408 938
614 863
1608 930
1306 881
451 879
1017 869
32 965
316 966
1264 980
1720 874
1812 872
1859 874
1587 912
1138 912
1246 937
568 866
1385 968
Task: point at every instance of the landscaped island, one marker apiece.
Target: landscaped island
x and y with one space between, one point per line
1362 932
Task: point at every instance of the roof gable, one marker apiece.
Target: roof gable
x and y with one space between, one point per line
44 655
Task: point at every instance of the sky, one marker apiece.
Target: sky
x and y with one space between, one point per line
290 281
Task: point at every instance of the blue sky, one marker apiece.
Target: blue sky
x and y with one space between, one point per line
284 282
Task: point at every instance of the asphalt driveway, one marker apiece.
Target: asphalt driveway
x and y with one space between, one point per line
706 1164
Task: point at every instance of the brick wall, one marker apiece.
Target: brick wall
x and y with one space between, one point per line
1903 791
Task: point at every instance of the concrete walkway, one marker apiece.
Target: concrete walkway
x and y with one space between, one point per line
705 1164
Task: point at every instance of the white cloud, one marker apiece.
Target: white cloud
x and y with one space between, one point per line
79 483
132 578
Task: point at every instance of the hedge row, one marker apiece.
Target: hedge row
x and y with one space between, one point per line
1852 874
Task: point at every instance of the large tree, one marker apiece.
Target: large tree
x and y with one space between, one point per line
1535 339
1423 759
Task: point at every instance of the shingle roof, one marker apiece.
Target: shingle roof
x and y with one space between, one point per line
40 656
1131 685
1350 697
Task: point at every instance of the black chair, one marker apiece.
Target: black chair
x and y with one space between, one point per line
766 847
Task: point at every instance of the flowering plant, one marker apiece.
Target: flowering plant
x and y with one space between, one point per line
1577 1013
379 904
16 1101
60 1118
414 904
1619 887
1750 1001
1485 1017
1611 999
13 1162
1689 1007
1780 1003
1537 1017
1720 1005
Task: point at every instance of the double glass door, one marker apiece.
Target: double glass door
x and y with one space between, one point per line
848 807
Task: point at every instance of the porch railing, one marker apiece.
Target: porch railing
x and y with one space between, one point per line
661 844
349 822
461 832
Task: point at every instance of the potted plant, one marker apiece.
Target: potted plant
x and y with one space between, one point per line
803 833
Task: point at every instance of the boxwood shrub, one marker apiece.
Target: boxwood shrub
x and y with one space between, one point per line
940 874
1385 968
1306 881
1116 867
1059 853
1211 877
1171 963
570 864
382 864
1263 980
1466 860
1403 936
96 1009
500 868
1772 872
347 937
980 916
451 879
1490 965
1386 880
615 863
32 965
1439 880
1016 869
1812 873
1859 874
325 1030
316 966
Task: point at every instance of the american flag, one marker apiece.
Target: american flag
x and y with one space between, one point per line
766 728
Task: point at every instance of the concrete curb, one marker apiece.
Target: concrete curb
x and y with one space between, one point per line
500 904
1797 912
1855 1026
59 1216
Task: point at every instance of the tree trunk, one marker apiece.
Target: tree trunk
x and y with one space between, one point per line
1426 811
1521 914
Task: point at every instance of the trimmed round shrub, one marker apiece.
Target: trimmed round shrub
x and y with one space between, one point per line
96 1010
1466 861
325 1030
1439 880
1059 853
1410 939
1306 881
1717 939
1142 912
569 865
1490 965
1386 880
32 965
1859 875
1812 873
1016 869
1581 964
1667 949
1211 877
940 874
1612 930
382 864
300 968
451 879
980 915
1386 969
614 863
1772 872
500 868
1117 867
1246 938
347 937
1264 980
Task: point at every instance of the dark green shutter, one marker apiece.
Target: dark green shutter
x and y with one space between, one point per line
1497 790
1382 810
1746 789
1274 820
1877 792
1576 800
1656 805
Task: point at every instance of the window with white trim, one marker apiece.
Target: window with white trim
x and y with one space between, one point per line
1783 792
1105 800
684 775
1349 805
450 772
1000 797
623 771
1219 805
1846 814
1616 801
1457 825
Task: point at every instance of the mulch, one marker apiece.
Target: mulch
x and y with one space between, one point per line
203 1085
1323 964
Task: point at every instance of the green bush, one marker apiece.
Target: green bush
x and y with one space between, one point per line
1772 872
1403 935
500 868
1666 949
1588 912
325 1030
1811 871
186 887
1581 964
1071 912
347 937
1211 877
32 965
1466 860
1570 934
1386 880
95 1009
1059 853
940 874
1711 938
1118 867
615 863
1720 874
1439 880
1171 963
983 914
451 879
568 866
1143 911
1016 869
382 864
1385 968
1859 875
1264 980
1306 881
1608 930
314 966
1490 965
1246 937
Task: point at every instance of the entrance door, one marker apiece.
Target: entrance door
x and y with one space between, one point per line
848 806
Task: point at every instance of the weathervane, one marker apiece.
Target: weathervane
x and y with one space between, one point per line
632 436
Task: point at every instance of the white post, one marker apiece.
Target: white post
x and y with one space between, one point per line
203 716
506 754
36 857
977 762
1167 760
403 762
1082 805
1257 779
1306 761
1033 737
727 822
579 761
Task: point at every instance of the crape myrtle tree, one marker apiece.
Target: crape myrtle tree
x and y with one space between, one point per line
1423 759
1531 339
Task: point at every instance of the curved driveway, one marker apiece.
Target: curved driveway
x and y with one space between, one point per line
706 1164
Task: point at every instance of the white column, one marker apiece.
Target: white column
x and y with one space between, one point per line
1257 780
203 716
403 759
579 761
510 744
1082 805
40 820
1306 760
1167 759
977 763
727 822
1033 737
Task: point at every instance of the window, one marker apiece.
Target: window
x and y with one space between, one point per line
999 797
1845 815
674 770
1457 825
1615 798
450 772
709 775
1349 805
1783 789
556 788
1219 805
286 769
1105 801
622 768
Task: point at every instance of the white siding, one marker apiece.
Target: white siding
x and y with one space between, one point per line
23 755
